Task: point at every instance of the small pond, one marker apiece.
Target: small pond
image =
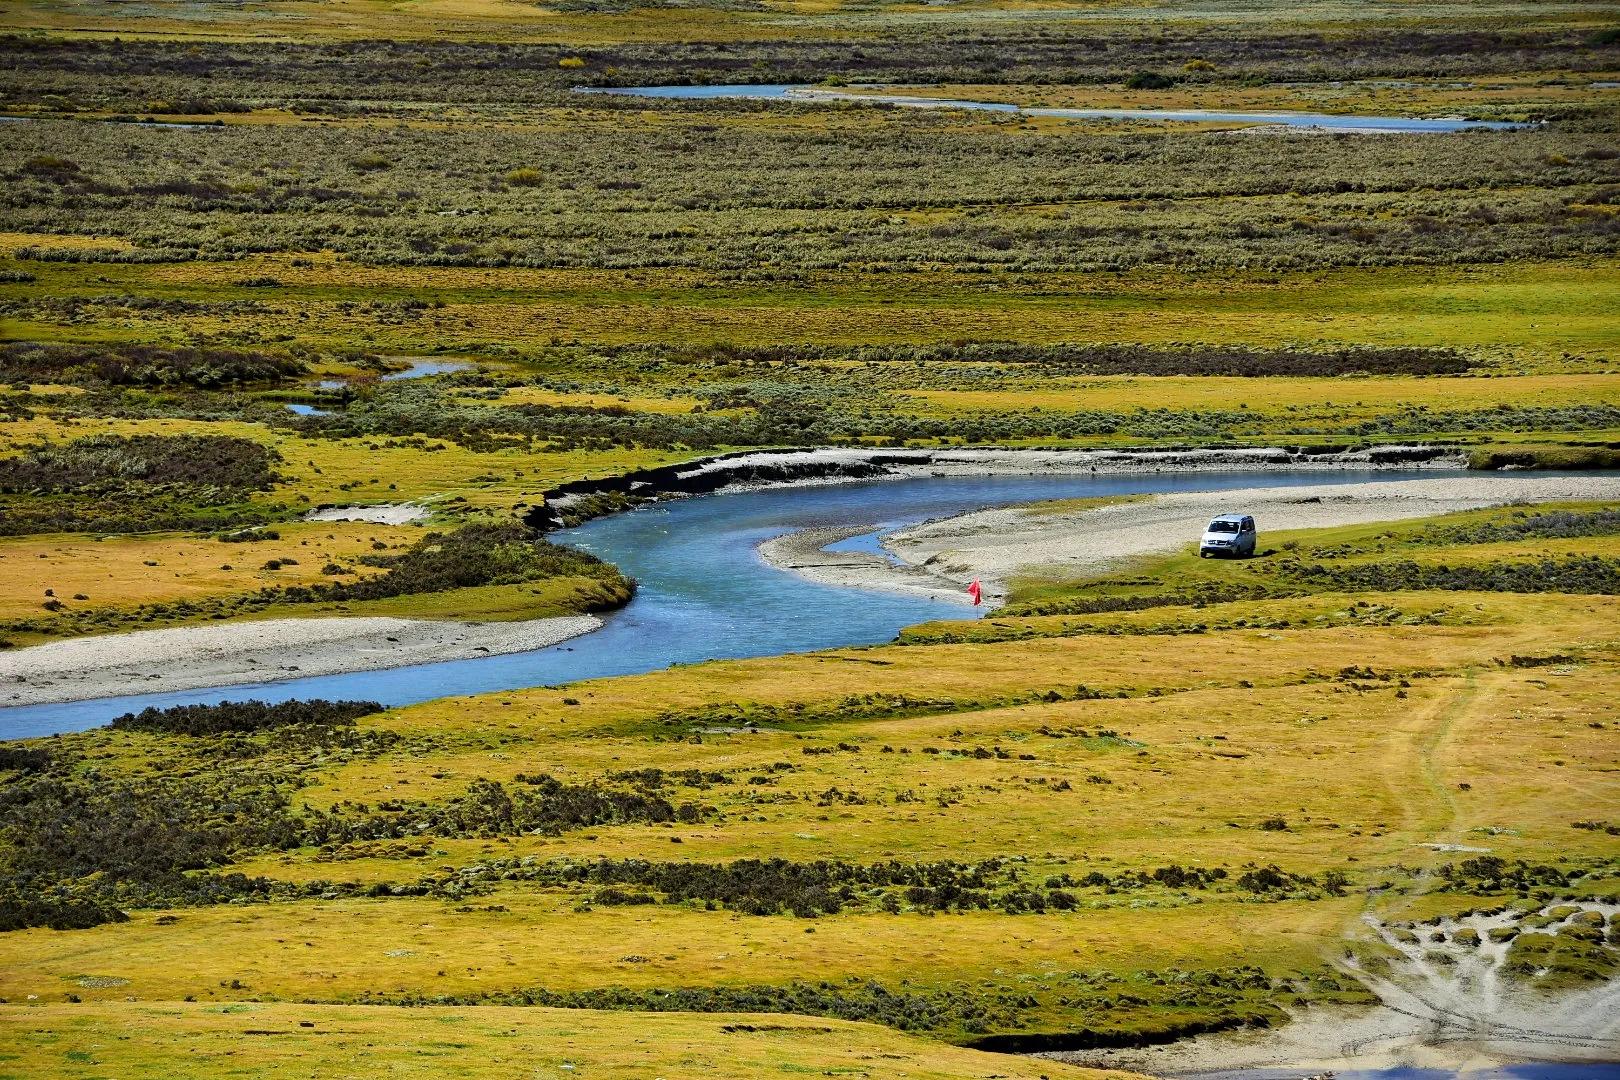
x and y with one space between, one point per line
805 92
422 368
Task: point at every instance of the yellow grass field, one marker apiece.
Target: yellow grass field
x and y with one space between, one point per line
345 472
509 20
1343 396
1527 314
367 20
1168 797
116 575
119 571
1231 727
325 1042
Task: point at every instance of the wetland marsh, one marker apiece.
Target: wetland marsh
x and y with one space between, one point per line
356 329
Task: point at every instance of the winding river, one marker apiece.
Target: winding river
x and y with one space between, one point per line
704 593
1303 121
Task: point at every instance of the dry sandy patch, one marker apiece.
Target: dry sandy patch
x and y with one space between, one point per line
268 650
996 545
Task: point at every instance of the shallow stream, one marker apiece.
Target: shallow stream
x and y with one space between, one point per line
803 92
704 593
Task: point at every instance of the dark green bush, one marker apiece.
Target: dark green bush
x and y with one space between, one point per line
1064 358
245 716
197 465
1545 525
1149 80
115 483
24 758
21 908
132 364
473 555
1589 574
541 804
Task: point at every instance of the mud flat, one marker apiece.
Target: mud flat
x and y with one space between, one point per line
805 552
268 650
996 546
1329 1042
1450 1001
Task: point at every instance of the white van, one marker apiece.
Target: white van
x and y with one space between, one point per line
1229 534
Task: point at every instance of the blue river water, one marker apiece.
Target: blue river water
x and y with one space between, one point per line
1303 120
703 592
421 367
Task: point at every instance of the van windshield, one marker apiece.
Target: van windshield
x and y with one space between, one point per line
1223 526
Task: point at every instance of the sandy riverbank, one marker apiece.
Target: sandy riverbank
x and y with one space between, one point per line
269 650
996 545
804 552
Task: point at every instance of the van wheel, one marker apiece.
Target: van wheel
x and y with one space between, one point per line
1203 554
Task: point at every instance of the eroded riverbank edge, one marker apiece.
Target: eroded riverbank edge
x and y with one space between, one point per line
582 500
804 551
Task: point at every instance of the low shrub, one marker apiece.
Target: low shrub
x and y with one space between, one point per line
542 804
245 716
124 464
1547 525
24 758
1588 574
136 483
132 364
1149 80
20 910
473 555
